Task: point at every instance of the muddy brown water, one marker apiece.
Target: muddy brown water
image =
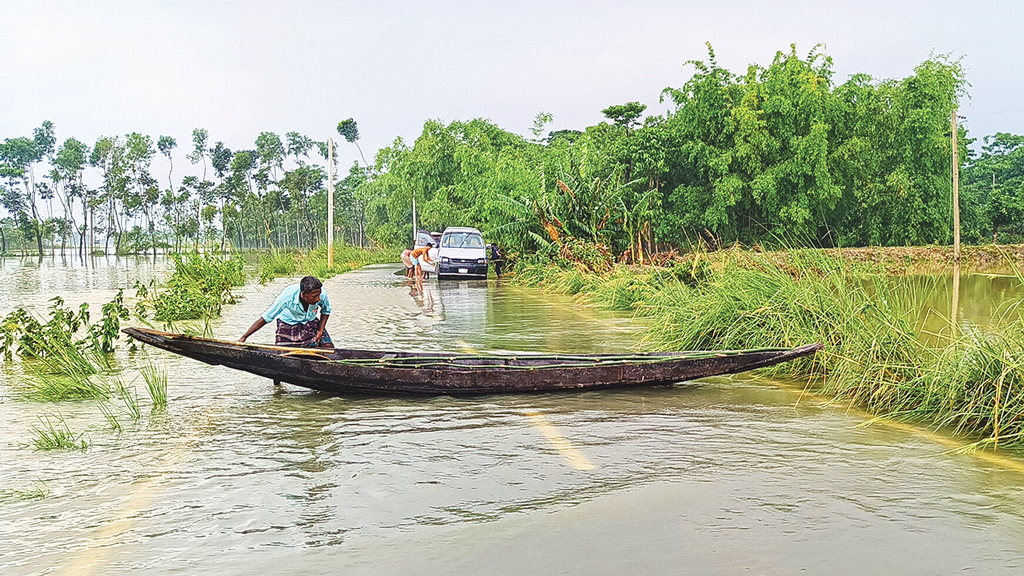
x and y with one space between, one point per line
721 476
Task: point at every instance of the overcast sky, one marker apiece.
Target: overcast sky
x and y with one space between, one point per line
239 68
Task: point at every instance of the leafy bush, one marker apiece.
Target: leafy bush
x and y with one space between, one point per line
200 285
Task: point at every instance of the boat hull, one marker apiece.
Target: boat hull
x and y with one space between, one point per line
376 372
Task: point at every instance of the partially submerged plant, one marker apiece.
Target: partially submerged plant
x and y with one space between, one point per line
877 354
38 491
156 382
111 417
50 435
55 387
197 289
130 397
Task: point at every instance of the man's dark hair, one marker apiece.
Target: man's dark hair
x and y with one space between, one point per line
309 283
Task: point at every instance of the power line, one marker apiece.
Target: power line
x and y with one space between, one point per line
993 113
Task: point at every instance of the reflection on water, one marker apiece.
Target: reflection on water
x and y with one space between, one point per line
723 476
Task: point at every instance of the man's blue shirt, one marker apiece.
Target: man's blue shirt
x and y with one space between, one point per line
289 309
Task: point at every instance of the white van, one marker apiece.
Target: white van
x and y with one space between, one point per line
462 254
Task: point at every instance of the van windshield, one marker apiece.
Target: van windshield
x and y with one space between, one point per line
462 240
423 238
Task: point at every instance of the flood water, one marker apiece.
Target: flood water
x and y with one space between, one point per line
721 476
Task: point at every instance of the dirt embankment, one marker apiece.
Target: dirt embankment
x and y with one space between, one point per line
988 258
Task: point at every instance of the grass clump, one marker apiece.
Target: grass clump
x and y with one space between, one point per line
62 355
197 289
876 356
56 435
156 382
130 398
110 416
55 387
275 263
38 491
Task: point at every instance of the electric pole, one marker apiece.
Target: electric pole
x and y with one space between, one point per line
330 203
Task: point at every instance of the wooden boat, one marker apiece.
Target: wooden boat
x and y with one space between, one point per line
368 371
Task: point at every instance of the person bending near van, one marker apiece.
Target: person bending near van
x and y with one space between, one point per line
407 260
301 312
420 255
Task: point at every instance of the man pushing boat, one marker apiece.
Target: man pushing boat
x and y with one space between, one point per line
301 312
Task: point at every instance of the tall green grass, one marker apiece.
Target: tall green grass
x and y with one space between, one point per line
129 397
56 387
275 263
156 382
876 355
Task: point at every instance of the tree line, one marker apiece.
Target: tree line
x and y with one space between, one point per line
777 154
271 195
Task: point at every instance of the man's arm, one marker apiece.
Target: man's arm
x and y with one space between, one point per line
323 325
260 323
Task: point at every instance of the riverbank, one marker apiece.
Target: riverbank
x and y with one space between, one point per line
930 259
878 355
994 258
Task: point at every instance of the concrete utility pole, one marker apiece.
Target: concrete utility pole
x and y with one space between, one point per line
954 309
956 196
330 202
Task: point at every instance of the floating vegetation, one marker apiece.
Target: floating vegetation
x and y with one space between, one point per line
56 345
56 435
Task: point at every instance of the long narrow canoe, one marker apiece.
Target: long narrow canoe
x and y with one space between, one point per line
368 371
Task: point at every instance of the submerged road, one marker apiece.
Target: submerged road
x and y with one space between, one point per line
723 476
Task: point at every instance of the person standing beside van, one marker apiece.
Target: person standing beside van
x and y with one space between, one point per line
498 257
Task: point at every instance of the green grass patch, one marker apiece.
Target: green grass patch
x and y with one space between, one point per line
876 354
197 290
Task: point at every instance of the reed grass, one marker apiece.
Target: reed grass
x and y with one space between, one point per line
129 397
57 353
110 415
56 435
56 388
876 354
156 382
275 263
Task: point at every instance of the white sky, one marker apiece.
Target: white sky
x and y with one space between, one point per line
238 68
